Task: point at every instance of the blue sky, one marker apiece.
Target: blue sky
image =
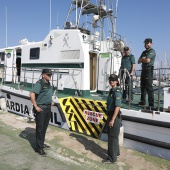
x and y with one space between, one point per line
137 20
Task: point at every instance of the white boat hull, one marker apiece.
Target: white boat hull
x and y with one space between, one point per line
145 132
18 102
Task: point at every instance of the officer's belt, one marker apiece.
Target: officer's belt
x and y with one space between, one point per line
127 70
44 105
110 113
148 68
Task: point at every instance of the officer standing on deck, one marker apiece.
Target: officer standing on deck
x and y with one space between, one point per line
147 59
113 121
128 63
41 98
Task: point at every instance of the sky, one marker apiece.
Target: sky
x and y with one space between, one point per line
137 20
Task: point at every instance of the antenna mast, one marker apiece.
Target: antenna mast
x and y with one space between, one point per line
102 23
116 16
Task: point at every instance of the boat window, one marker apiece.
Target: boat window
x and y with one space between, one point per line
34 53
2 56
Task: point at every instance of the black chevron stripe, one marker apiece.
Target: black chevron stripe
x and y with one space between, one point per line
99 103
87 106
79 104
94 106
84 121
96 109
64 101
76 126
93 125
84 131
67 109
102 107
70 116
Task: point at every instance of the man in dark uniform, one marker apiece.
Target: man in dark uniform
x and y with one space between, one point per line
128 63
147 59
113 121
41 98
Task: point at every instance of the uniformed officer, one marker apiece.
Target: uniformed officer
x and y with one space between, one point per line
147 59
128 63
113 108
41 98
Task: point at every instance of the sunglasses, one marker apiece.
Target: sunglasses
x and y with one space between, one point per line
112 80
49 75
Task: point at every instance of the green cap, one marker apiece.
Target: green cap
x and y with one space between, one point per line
46 71
113 77
148 40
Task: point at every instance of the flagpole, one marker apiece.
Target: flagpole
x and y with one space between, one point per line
50 15
6 27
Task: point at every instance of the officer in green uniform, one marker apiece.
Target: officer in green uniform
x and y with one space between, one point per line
41 98
113 113
147 59
128 63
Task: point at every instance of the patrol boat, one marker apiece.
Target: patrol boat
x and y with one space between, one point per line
82 60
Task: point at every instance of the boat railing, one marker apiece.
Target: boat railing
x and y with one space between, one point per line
92 24
95 41
8 76
123 74
161 79
29 76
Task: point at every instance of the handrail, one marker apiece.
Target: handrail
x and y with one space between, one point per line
159 90
161 78
123 78
28 76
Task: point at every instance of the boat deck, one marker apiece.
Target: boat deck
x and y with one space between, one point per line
103 97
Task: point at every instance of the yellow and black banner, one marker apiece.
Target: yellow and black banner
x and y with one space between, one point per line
85 116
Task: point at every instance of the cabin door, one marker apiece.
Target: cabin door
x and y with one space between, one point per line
109 63
9 65
105 68
18 64
2 59
93 71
